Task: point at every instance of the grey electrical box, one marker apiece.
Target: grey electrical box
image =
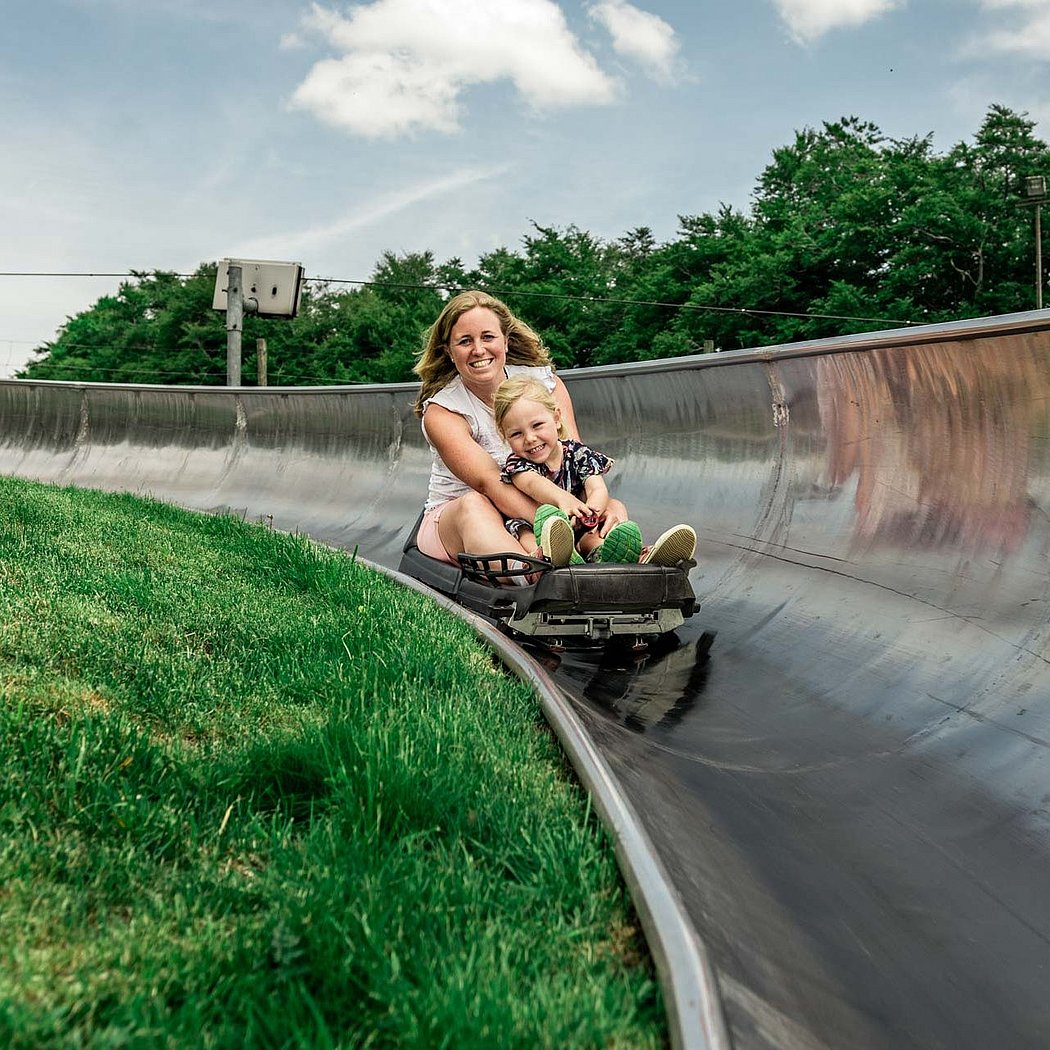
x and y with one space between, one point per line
275 286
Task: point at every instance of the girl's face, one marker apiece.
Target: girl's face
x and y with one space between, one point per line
478 347
531 430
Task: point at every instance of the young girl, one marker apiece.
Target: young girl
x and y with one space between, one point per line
565 477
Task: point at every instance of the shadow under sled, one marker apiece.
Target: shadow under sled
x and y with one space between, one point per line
583 603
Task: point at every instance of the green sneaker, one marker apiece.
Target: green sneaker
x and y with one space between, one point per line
676 544
623 544
543 512
557 540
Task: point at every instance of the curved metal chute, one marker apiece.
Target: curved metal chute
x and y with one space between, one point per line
850 785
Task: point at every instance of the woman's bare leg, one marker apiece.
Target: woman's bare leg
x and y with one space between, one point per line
472 524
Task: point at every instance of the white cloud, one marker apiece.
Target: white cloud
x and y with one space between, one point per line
646 38
405 63
808 20
1029 34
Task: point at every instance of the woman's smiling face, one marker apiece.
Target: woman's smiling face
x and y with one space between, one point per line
478 347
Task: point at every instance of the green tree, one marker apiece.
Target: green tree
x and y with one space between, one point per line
369 334
964 247
848 230
388 320
820 229
157 328
559 284
694 271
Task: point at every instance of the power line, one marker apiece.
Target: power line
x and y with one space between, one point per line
43 273
711 309
609 300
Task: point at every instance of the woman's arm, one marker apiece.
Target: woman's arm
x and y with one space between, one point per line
449 433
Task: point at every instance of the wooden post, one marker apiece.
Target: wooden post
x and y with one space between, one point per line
260 361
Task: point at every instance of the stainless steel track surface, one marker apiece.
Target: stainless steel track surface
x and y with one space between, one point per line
851 786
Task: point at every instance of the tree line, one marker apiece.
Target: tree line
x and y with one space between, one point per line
848 231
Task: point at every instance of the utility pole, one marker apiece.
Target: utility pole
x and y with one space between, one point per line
237 305
234 324
1035 191
1038 256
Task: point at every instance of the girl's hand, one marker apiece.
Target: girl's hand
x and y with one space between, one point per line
591 516
572 506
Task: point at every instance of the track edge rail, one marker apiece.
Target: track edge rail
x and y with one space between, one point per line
687 977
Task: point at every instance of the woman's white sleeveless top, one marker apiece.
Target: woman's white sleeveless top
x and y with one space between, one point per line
444 485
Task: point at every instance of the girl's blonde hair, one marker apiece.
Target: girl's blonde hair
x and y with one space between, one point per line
511 391
435 367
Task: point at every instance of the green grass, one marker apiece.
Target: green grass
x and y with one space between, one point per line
253 794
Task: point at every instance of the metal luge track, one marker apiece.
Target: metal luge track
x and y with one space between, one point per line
849 788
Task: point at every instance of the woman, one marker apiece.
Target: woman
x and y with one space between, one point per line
474 345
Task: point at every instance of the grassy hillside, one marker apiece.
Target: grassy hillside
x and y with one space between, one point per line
252 794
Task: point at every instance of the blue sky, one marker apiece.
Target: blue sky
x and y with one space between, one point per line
146 134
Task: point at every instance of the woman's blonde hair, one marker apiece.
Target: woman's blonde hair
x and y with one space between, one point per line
511 391
435 367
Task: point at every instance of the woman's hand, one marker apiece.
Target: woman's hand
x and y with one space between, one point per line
615 512
598 505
